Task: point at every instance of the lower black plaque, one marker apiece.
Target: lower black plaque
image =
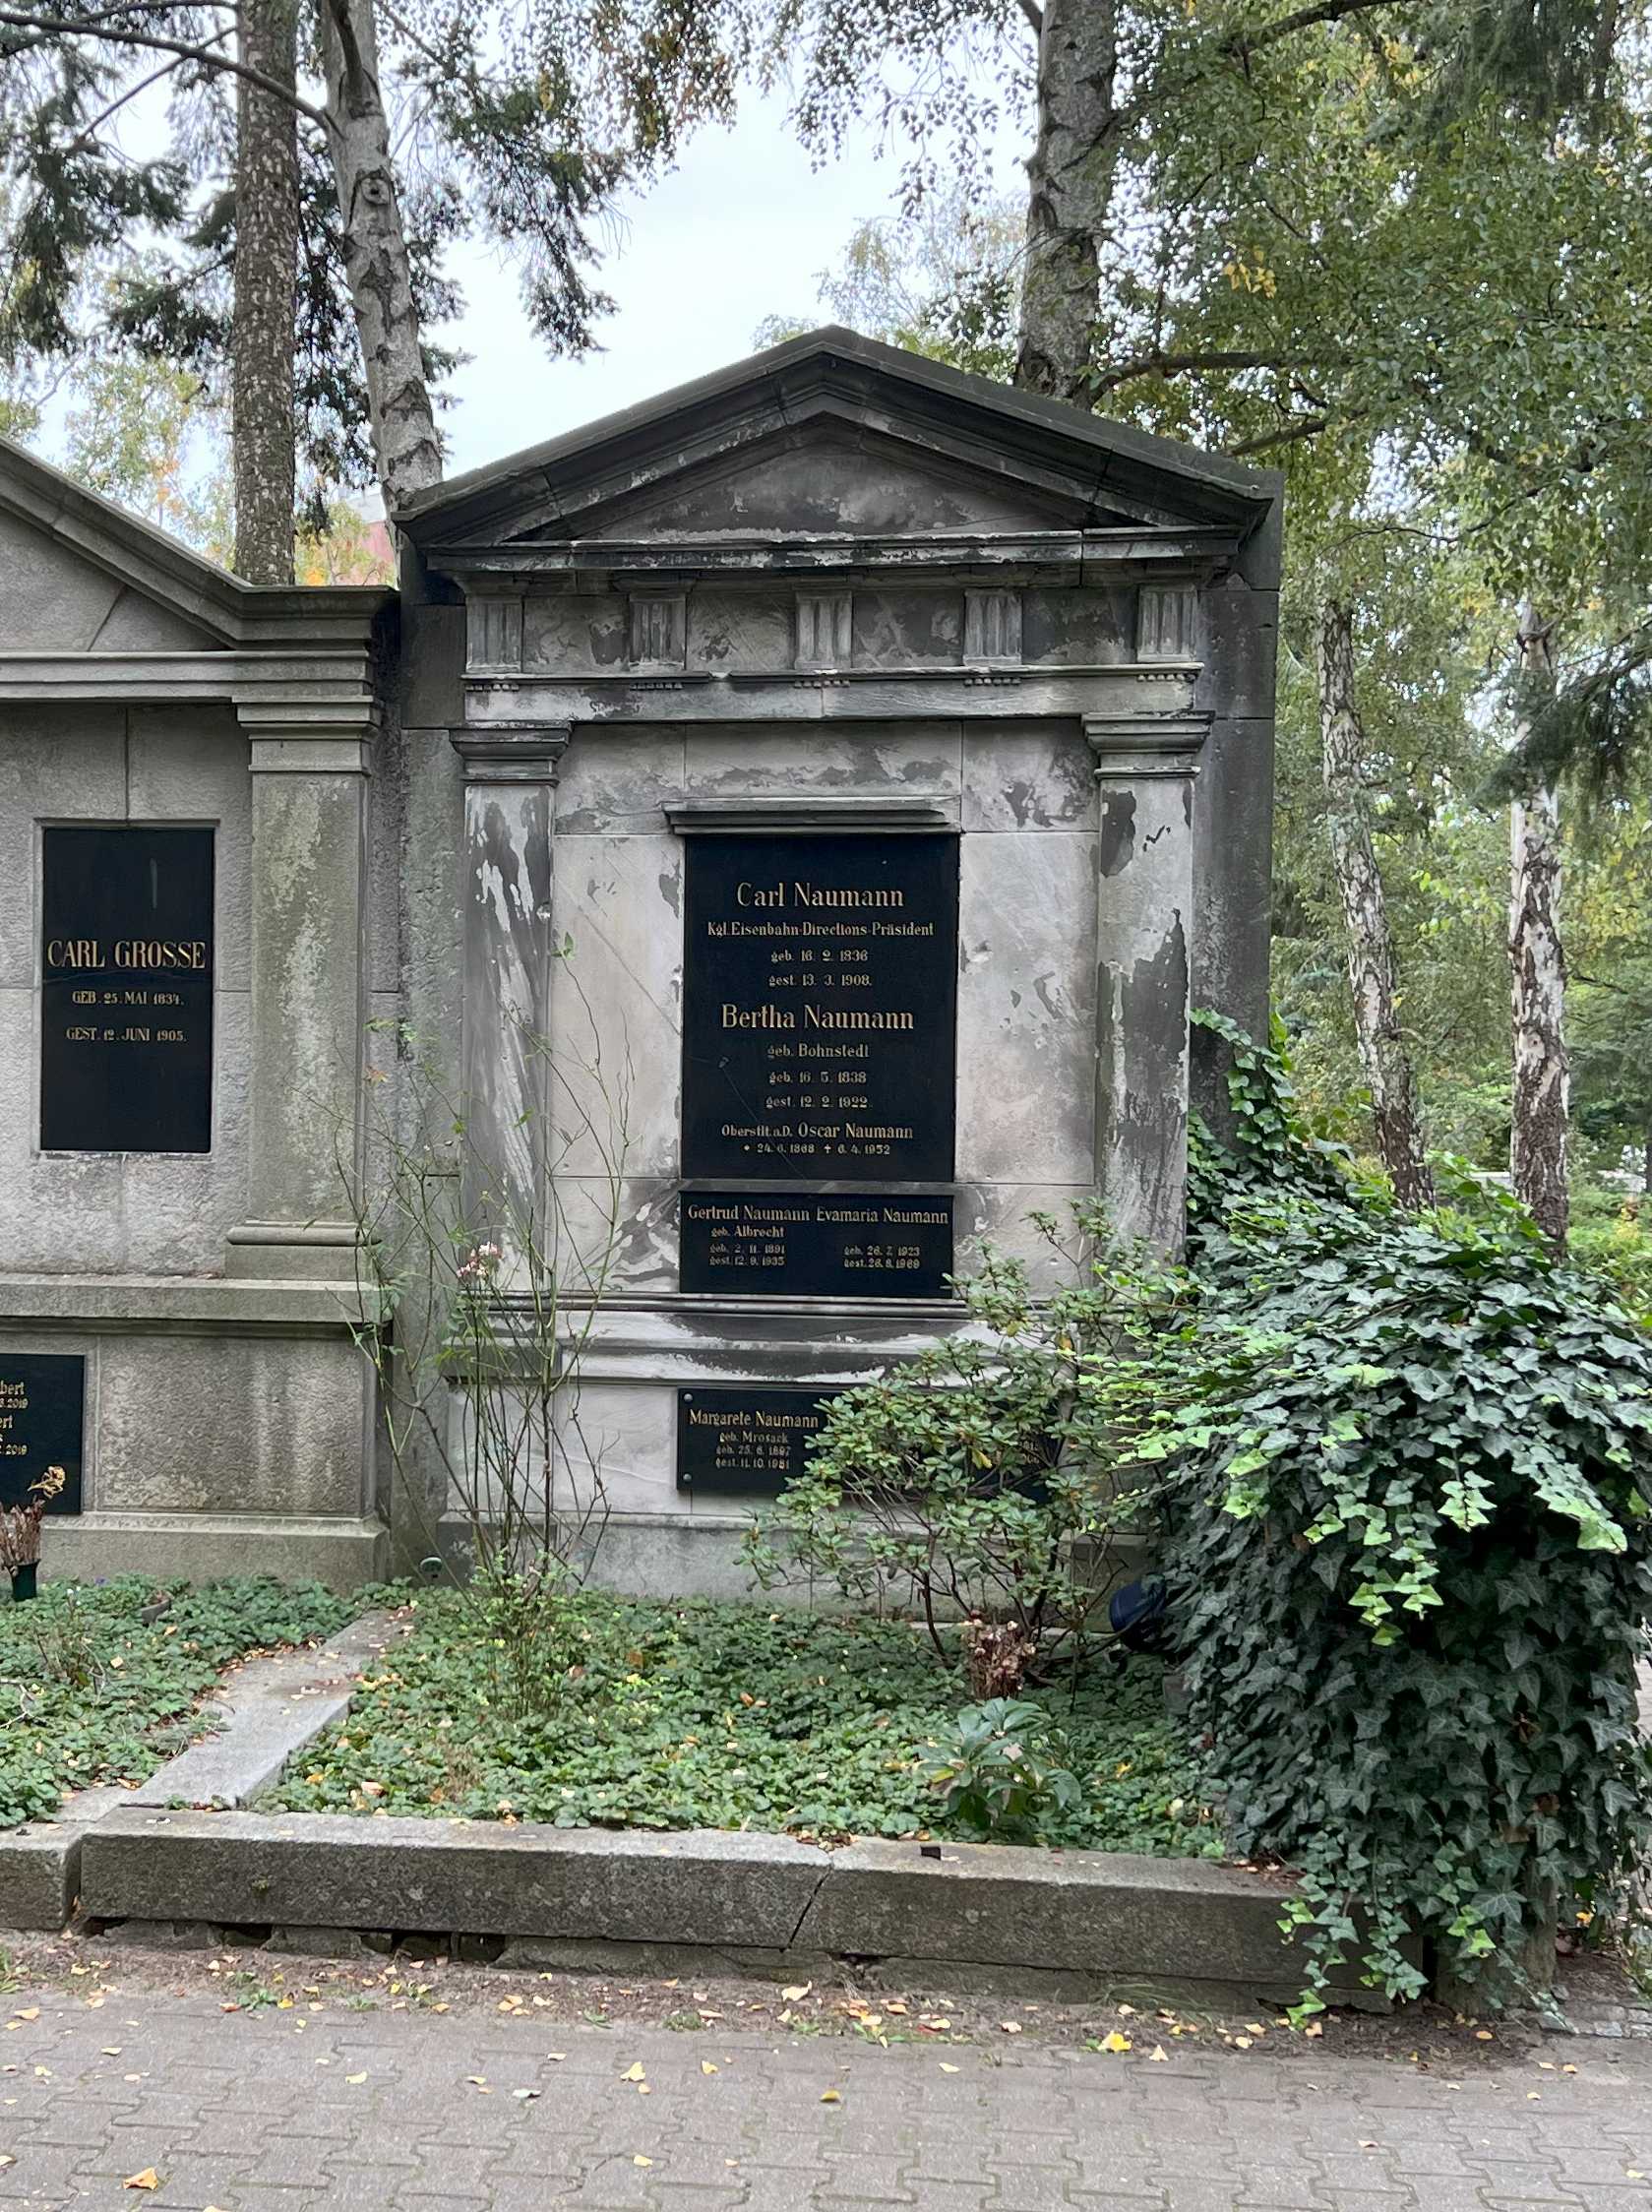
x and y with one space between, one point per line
42 1419
746 1443
126 990
816 1245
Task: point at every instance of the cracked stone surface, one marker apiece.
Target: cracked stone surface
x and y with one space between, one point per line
327 2101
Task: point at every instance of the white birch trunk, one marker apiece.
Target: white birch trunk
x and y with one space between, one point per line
1373 972
376 261
1069 195
1540 1131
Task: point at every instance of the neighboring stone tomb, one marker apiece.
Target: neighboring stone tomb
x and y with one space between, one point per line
893 750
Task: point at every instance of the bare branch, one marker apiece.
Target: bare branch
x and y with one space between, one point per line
1246 44
1034 15
1183 364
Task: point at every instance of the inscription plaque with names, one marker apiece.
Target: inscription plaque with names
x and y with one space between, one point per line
42 1423
746 1443
819 1013
126 949
865 1244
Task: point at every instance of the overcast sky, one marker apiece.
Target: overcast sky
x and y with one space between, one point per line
741 231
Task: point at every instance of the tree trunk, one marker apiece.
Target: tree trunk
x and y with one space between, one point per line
1069 195
376 261
1537 1151
266 296
1371 967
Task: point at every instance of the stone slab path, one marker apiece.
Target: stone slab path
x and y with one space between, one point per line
323 2102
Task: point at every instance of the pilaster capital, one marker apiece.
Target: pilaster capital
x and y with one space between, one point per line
309 736
513 752
1128 746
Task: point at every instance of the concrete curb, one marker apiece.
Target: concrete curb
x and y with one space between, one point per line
986 1911
272 1708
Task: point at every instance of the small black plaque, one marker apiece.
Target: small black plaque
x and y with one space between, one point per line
820 1008
746 1443
795 1243
42 1419
126 946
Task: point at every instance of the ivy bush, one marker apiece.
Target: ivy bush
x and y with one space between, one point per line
1406 1529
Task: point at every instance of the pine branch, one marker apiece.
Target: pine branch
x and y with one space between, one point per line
153 41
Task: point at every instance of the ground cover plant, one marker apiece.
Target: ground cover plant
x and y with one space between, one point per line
734 1716
103 1682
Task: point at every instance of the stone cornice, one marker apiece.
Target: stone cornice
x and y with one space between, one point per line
320 675
1132 691
798 813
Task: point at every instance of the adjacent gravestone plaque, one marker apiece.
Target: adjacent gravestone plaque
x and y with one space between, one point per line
820 1008
126 948
796 1243
42 1421
746 1443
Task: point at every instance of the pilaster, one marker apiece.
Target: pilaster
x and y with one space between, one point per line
510 819
310 764
1145 767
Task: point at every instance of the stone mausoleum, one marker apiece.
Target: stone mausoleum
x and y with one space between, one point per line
865 767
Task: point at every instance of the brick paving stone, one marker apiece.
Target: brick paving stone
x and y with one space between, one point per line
235 2111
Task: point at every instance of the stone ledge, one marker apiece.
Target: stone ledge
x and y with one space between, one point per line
169 1305
994 1911
343 1552
271 1708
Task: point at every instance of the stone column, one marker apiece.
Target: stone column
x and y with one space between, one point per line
1145 767
510 817
309 821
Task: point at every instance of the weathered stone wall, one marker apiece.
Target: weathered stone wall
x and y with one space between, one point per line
100 1213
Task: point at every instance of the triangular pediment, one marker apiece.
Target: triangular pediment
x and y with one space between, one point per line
837 436
834 480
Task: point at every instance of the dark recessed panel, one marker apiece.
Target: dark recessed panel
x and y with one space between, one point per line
126 949
819 1009
802 1243
42 1420
746 1443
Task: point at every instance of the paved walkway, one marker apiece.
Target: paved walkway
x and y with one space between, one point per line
477 2109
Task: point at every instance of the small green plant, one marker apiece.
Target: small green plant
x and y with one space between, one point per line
1002 1773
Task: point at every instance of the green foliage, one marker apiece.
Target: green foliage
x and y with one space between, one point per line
728 1716
1002 1773
965 1481
1407 1537
103 1682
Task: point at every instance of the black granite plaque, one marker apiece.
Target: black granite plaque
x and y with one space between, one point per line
820 1008
42 1417
747 1442
797 1243
126 948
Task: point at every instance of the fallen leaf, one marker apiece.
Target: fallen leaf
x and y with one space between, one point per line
111 2051
706 2067
797 1991
558 2055
479 2082
946 2068
30 2013
636 2159
633 2073
1010 2027
355 2080
831 2097
148 2179
1116 2041
1158 2056
527 2095
1368 2146
1483 2035
1241 2043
